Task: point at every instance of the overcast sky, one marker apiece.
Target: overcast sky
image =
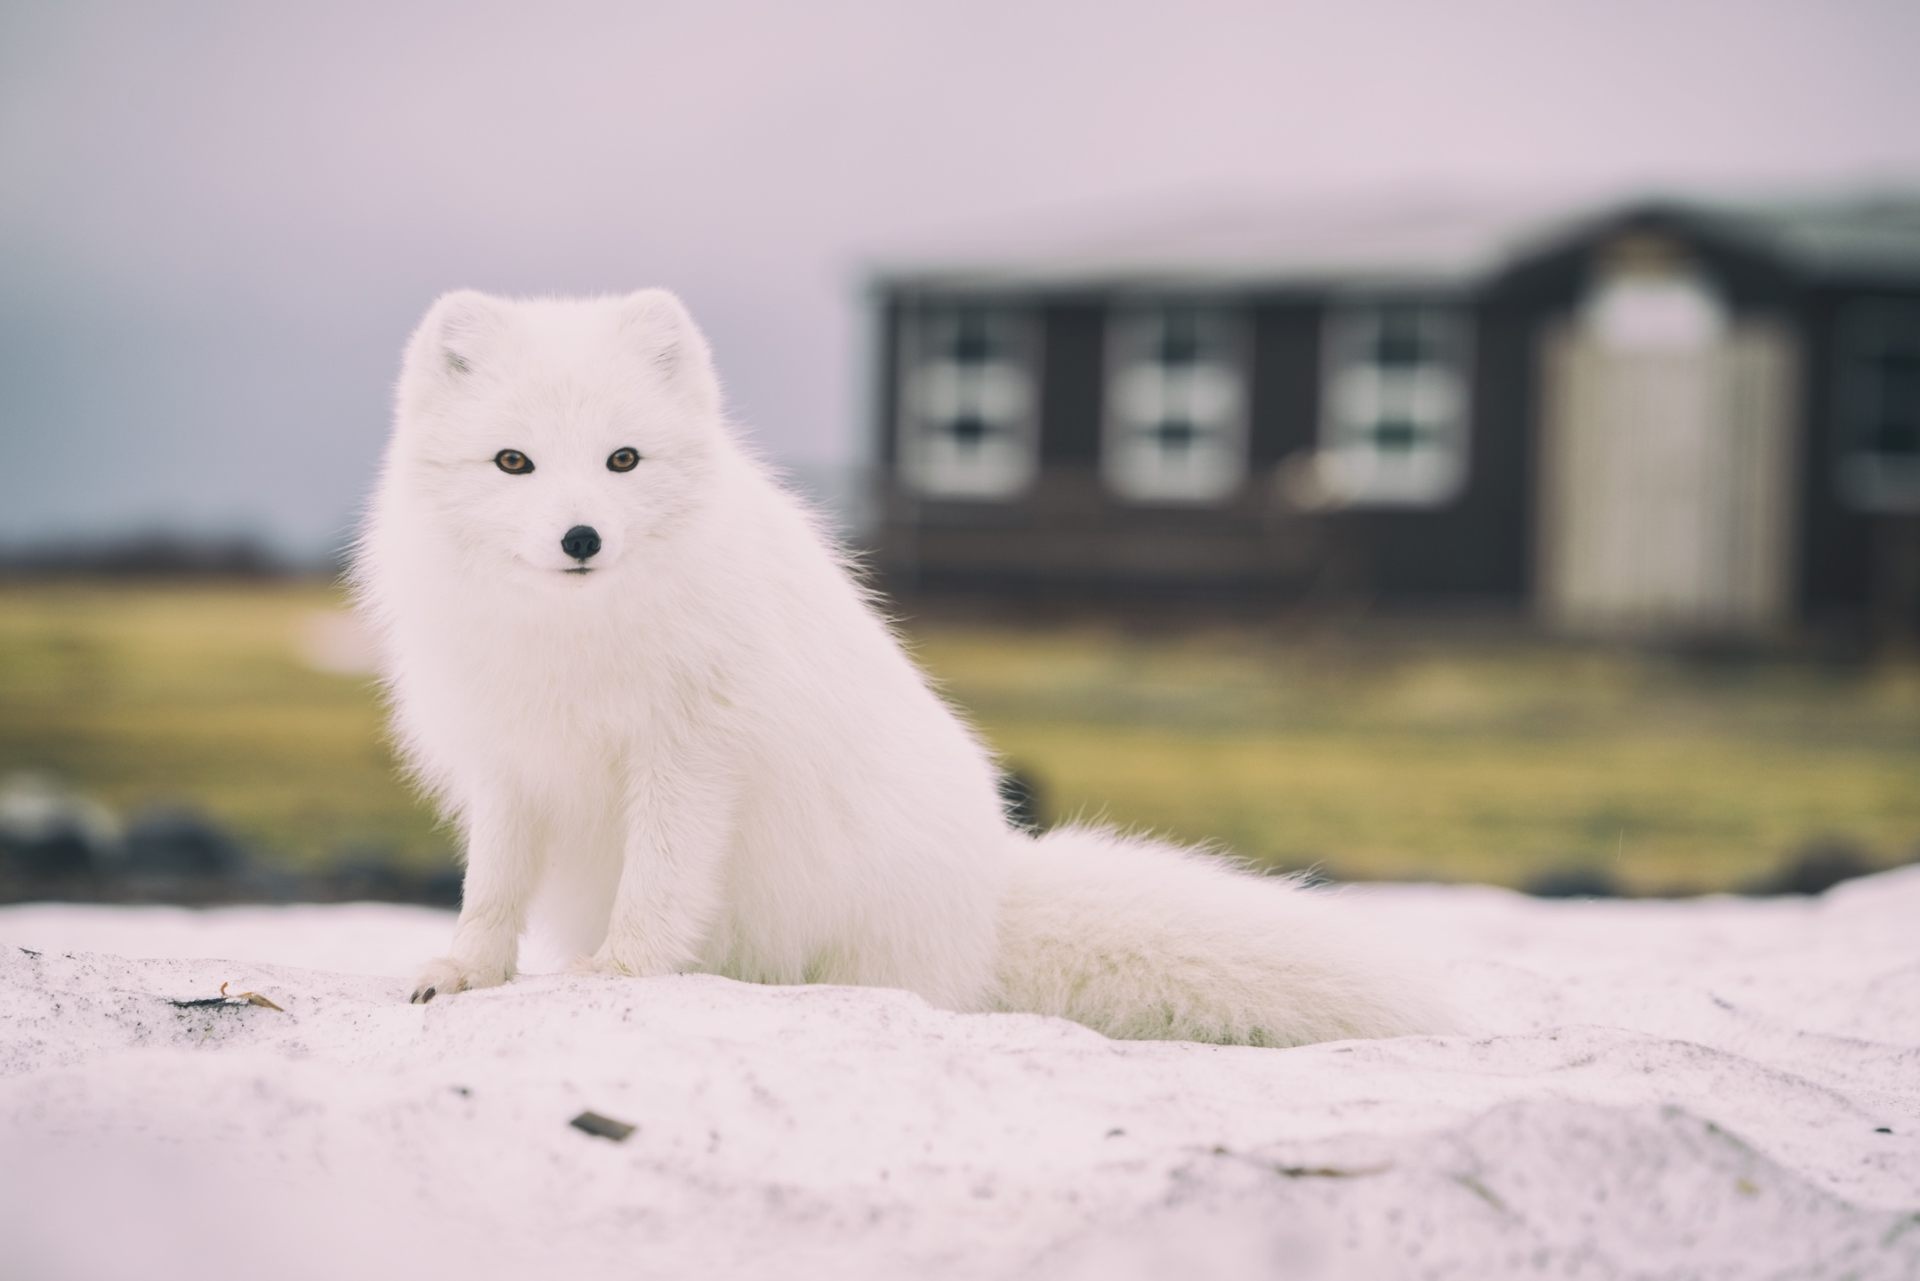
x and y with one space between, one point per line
219 220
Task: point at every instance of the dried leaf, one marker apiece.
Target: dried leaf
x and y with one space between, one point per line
225 999
251 998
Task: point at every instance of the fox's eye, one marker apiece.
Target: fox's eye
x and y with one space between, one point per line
513 462
623 460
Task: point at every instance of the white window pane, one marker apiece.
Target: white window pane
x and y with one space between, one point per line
1434 398
1357 396
1140 394
1210 394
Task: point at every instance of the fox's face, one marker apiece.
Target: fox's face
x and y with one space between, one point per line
558 437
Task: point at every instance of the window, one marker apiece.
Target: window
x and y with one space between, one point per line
1393 415
1176 405
1878 383
967 400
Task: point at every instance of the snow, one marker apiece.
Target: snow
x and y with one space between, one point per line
1714 1088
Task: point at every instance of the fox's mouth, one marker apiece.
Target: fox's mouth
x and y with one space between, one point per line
578 569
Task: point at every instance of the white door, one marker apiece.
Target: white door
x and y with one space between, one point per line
1666 502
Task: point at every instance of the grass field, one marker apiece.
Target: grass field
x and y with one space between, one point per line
1384 760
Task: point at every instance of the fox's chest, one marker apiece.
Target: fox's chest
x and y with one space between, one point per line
558 709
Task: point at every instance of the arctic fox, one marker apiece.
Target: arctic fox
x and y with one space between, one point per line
673 727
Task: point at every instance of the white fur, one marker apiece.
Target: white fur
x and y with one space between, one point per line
712 754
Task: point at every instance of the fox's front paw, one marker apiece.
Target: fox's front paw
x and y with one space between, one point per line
628 957
452 974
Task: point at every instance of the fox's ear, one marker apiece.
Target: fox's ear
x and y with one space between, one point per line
453 336
663 332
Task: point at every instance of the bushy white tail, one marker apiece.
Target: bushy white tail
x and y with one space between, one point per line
1140 939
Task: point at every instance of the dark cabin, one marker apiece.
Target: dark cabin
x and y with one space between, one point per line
1689 420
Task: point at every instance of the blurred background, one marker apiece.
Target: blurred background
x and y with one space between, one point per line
1466 442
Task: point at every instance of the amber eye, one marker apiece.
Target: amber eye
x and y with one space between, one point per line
513 462
623 460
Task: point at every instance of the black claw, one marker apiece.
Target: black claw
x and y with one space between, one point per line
428 995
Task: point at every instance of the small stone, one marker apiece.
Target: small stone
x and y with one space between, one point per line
604 1127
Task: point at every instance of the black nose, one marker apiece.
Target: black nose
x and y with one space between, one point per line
580 542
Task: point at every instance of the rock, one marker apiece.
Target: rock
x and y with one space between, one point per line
1578 880
1819 865
49 830
176 841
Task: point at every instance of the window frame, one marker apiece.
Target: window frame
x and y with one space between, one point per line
1864 331
1353 325
1126 349
925 469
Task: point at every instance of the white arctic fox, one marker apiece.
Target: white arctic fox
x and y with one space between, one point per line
672 726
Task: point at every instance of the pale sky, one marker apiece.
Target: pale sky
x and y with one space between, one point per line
219 220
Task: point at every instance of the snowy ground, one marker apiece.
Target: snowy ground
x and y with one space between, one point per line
1707 1089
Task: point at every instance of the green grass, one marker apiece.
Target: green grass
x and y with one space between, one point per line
161 694
1448 761
1396 760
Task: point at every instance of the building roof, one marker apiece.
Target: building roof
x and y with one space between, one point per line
1875 234
1406 242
